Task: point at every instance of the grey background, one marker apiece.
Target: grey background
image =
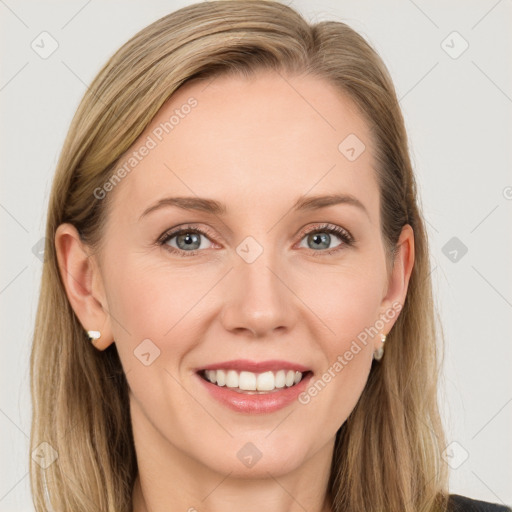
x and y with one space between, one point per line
458 114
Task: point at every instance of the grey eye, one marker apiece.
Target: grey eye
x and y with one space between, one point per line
319 240
186 240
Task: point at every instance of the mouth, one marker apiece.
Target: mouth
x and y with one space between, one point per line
252 383
252 387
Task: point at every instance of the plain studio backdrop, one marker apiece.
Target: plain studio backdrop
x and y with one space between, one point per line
450 62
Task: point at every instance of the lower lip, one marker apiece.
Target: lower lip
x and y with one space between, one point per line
257 403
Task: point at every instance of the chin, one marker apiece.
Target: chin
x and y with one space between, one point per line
255 457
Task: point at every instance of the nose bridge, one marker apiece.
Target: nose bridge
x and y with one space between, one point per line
258 300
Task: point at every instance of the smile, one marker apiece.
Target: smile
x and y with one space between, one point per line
253 383
253 387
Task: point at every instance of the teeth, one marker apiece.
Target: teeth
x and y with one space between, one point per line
218 376
249 381
231 379
266 381
280 379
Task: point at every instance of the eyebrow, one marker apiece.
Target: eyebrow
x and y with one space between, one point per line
304 203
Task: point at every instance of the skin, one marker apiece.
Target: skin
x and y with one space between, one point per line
256 145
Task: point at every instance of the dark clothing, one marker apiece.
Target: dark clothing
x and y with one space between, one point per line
459 503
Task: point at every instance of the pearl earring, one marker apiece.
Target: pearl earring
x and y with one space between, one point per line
94 335
377 355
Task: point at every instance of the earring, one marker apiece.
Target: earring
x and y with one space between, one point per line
377 355
94 335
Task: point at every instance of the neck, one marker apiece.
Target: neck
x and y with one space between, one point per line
184 485
259 502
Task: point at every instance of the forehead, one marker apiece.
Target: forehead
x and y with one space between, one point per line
265 139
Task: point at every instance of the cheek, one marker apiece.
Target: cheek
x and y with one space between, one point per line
155 311
346 299
151 298
156 303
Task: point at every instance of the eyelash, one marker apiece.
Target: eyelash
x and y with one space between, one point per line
347 239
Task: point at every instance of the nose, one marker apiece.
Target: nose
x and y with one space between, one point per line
259 299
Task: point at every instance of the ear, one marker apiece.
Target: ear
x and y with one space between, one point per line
398 281
83 283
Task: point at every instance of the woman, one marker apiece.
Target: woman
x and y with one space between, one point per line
236 306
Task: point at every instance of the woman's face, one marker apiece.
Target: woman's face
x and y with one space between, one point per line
267 281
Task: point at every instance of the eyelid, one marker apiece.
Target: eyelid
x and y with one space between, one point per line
172 232
327 226
342 233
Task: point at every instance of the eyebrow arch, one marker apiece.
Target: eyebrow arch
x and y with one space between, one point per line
189 203
317 202
215 207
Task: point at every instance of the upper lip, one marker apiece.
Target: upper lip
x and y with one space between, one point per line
256 366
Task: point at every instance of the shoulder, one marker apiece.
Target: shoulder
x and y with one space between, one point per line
458 503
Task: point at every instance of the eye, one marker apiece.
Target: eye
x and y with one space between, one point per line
321 237
184 240
187 240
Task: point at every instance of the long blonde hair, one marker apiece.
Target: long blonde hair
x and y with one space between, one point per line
387 455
